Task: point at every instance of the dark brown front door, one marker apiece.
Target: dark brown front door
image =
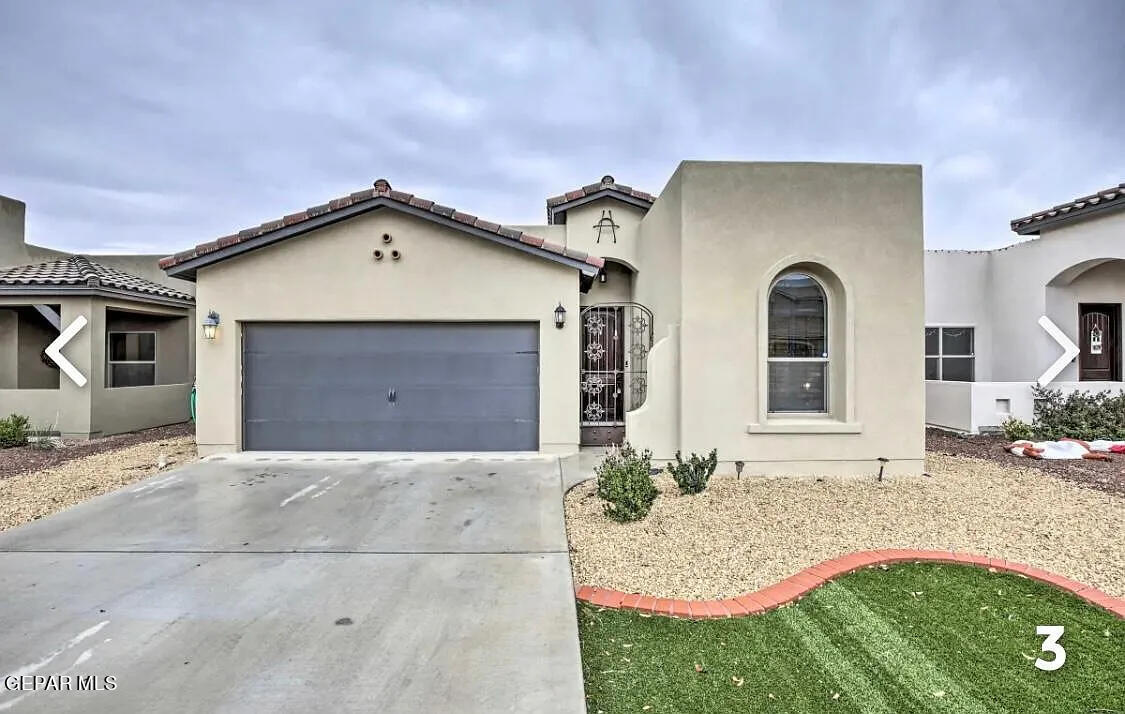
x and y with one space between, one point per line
1099 330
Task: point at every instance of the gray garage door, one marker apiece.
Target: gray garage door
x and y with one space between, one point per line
390 386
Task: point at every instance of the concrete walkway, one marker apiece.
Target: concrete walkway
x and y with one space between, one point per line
302 583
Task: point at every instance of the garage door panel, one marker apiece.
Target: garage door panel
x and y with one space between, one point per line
325 386
296 403
465 402
331 338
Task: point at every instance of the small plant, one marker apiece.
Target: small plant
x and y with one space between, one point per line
692 476
1016 429
625 483
45 435
13 431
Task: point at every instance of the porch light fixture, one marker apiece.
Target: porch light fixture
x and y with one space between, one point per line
560 316
602 277
210 325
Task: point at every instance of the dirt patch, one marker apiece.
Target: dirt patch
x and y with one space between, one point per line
742 535
1108 476
26 459
29 496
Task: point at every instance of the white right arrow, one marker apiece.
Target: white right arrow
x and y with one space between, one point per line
53 350
1070 351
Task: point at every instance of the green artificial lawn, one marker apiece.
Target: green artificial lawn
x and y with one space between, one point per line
909 638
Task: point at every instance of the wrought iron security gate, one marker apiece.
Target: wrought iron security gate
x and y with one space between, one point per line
616 339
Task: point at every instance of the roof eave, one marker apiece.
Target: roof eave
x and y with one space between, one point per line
187 269
565 206
34 290
1094 211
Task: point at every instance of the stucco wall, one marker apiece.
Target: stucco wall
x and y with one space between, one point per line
173 342
68 402
581 233
9 348
443 275
1020 277
959 294
742 224
657 283
12 214
618 286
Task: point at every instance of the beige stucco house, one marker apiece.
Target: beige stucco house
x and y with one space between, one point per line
134 354
771 310
985 345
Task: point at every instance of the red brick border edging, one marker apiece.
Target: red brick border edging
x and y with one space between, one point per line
796 586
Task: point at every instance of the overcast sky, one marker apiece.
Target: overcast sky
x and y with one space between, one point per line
152 126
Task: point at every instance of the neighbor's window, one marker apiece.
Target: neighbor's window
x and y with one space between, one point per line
132 359
949 354
798 346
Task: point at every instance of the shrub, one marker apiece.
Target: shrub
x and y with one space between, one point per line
1078 415
1016 429
692 476
13 431
625 483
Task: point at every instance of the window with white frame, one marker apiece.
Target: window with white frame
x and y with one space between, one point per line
131 359
949 354
797 356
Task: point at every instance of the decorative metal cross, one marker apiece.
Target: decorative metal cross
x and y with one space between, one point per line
606 223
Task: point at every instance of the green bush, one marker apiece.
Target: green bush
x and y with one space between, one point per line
1016 429
1078 415
13 431
692 476
625 483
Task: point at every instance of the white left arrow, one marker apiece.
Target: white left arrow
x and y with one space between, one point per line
54 350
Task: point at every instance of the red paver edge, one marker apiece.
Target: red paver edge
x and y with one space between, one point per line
797 586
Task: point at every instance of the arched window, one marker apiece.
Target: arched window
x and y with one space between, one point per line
798 345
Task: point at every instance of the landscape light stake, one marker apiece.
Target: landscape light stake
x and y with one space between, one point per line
738 468
882 462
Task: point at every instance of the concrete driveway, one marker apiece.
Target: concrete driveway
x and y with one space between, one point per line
302 583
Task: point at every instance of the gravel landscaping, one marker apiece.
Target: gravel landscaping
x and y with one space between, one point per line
742 535
1108 476
32 495
25 459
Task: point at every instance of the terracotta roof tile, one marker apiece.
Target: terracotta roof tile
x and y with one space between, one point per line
1078 206
606 184
80 270
381 189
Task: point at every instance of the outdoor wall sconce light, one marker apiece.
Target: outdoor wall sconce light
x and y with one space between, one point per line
560 316
602 277
210 325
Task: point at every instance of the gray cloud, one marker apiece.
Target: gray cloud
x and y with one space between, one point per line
154 126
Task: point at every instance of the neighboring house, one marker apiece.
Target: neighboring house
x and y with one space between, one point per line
771 310
136 350
984 347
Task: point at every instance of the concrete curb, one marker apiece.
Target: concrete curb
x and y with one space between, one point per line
796 586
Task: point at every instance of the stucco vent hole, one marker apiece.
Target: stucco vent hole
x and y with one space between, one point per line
395 255
378 255
1003 406
386 237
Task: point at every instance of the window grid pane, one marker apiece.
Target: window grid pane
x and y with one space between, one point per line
797 324
132 375
798 386
957 341
957 369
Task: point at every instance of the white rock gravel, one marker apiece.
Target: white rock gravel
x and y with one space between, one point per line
742 535
30 496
